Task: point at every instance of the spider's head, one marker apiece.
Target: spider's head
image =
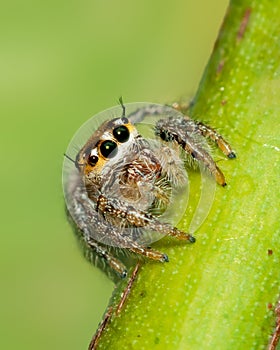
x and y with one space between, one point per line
105 144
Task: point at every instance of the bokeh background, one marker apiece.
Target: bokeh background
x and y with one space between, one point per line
60 63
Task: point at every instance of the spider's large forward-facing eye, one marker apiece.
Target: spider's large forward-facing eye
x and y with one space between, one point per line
121 133
108 149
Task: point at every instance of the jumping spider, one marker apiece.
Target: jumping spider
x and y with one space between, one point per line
122 178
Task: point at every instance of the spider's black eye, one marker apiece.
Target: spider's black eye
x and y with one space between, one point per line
92 160
125 120
108 149
121 133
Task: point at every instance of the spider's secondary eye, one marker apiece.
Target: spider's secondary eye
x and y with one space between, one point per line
108 149
92 160
125 120
121 133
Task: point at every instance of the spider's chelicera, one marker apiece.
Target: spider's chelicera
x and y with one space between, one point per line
122 182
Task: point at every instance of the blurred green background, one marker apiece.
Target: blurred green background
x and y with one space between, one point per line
62 62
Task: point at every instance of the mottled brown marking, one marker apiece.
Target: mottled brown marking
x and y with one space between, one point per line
224 102
220 66
276 335
269 252
244 24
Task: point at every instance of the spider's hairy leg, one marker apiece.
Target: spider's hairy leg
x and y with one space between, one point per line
93 227
202 155
211 133
151 110
172 164
114 263
149 253
184 132
138 218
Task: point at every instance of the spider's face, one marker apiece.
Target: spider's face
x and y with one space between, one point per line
109 141
118 162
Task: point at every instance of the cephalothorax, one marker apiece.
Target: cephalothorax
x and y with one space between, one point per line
123 181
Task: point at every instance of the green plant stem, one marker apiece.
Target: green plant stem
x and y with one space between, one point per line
216 293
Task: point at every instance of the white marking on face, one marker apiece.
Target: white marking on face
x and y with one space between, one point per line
119 122
107 136
94 152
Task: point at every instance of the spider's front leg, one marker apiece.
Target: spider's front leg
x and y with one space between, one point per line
212 134
140 219
90 215
186 133
206 130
